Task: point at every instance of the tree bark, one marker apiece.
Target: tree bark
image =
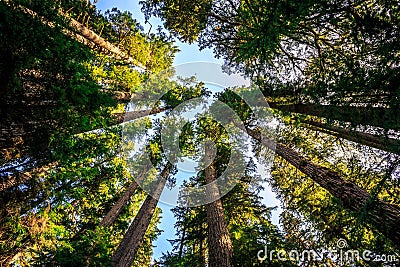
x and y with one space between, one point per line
373 116
18 134
383 216
114 212
220 249
125 254
371 140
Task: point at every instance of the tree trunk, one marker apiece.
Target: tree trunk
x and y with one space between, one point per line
18 134
114 212
133 115
220 249
125 254
93 37
376 141
182 241
87 34
373 116
383 216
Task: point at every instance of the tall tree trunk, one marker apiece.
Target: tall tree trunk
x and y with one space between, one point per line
220 249
371 140
181 245
114 212
125 254
93 37
373 116
124 97
383 216
87 34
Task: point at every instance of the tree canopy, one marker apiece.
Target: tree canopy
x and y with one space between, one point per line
83 162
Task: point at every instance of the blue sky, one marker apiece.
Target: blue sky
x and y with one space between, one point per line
188 53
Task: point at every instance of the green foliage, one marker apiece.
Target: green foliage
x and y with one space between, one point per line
115 75
184 20
47 74
152 51
184 90
248 220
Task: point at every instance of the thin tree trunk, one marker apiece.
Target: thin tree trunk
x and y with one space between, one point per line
383 216
19 134
220 249
125 97
125 254
114 212
376 141
181 244
132 115
373 116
